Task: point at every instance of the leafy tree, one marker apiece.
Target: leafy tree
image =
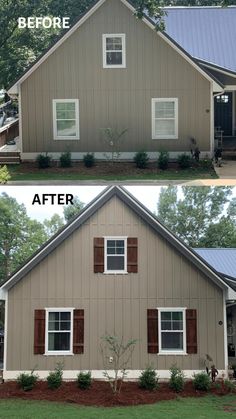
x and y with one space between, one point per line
19 235
71 210
201 217
53 224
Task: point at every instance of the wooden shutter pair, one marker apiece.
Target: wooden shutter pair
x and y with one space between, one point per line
132 255
152 331
39 331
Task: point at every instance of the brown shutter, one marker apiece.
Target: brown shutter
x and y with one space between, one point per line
39 332
98 254
191 331
152 331
132 254
78 332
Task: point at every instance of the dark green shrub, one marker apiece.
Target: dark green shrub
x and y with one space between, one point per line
141 159
206 163
84 380
229 386
148 379
184 161
176 382
89 160
27 381
202 381
163 160
43 161
54 378
65 159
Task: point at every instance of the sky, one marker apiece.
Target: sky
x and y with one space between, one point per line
147 195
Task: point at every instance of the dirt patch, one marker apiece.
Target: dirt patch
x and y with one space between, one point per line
231 408
100 393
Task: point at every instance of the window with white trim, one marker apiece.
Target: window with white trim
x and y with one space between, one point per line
165 118
66 119
59 330
115 255
172 330
114 51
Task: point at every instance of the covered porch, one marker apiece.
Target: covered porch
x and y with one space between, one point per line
225 123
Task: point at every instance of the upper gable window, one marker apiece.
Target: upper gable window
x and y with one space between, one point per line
115 255
66 119
165 118
114 51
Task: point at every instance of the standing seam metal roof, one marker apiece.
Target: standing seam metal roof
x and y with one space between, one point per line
222 260
206 33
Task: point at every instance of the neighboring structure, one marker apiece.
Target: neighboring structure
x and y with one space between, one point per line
224 261
115 269
111 70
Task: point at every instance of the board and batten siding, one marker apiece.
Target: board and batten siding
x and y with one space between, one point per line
116 98
115 304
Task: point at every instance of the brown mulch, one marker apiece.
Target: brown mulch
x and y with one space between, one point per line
101 168
100 393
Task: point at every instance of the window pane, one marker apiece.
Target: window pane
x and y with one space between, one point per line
166 325
113 44
177 325
66 114
164 110
53 315
66 128
65 315
115 263
164 127
114 58
166 315
177 315
59 341
65 325
172 340
111 243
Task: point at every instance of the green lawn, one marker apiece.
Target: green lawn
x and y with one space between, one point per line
188 174
196 408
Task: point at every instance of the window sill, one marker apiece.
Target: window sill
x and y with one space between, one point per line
66 138
172 353
59 353
115 273
165 138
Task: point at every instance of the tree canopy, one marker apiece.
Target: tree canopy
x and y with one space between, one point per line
200 216
21 236
20 47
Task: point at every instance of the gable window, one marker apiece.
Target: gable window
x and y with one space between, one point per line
165 118
114 54
59 326
172 330
66 119
115 255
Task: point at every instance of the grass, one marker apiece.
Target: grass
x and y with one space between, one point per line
188 174
208 407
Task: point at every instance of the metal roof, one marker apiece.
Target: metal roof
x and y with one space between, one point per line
206 33
222 260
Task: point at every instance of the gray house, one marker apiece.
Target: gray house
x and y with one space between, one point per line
115 269
111 70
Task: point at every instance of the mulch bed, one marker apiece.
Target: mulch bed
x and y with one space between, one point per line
100 393
103 168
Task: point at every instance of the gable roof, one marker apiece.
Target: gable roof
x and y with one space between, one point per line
206 33
142 212
223 260
217 85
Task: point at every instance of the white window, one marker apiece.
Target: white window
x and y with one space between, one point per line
172 330
66 119
59 331
114 54
115 255
165 118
